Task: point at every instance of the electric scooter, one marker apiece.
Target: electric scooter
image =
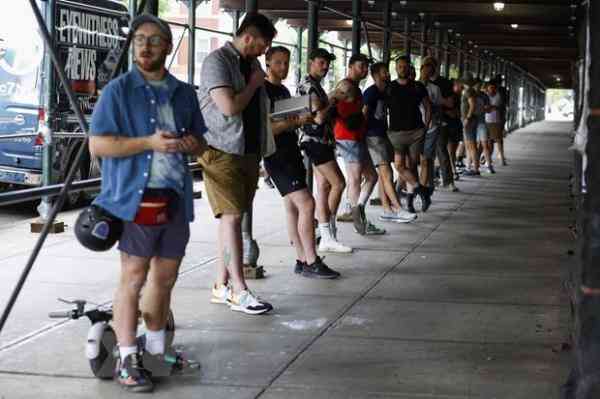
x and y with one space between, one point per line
101 345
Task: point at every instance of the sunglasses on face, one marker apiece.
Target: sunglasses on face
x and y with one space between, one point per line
154 40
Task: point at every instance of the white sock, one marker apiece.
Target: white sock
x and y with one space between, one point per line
364 197
125 351
155 341
333 227
325 232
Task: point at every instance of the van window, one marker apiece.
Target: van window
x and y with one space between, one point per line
21 53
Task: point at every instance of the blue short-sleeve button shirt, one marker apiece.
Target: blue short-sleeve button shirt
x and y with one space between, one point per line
127 108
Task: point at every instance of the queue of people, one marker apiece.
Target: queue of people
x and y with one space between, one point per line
147 123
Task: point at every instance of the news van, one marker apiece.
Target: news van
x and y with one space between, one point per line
89 36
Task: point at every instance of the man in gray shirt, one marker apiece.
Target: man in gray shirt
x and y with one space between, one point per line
233 103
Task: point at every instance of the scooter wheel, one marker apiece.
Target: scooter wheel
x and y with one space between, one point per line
103 365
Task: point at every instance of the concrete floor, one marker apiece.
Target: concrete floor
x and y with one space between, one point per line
464 303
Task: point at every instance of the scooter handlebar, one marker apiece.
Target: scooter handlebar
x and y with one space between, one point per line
61 315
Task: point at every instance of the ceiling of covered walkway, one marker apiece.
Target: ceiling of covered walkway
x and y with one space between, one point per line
544 42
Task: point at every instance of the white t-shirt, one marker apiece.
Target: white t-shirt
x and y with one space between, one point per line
494 116
435 96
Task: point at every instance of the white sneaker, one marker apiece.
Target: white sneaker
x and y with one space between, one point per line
451 188
400 216
220 294
333 246
248 303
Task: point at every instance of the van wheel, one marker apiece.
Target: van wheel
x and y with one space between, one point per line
76 198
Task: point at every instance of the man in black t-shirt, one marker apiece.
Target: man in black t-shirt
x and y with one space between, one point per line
407 129
446 103
250 114
318 144
287 172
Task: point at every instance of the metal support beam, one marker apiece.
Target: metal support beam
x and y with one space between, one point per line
251 5
438 43
313 43
356 26
313 25
460 59
299 32
247 236
191 59
133 7
478 69
151 7
466 60
446 55
407 42
387 33
424 29
235 15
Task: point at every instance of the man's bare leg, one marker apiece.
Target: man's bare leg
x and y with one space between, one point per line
304 205
134 270
232 244
331 173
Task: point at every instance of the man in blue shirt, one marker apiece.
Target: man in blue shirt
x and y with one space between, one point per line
143 125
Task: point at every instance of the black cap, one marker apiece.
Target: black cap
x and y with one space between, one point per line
321 53
359 58
152 19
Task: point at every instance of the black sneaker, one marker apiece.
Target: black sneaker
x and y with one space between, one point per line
299 266
410 203
425 194
132 375
319 270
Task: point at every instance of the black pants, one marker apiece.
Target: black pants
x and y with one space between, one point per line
444 156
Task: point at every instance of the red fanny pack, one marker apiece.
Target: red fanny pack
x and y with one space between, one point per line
153 210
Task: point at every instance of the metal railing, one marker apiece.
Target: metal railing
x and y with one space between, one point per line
16 196
30 194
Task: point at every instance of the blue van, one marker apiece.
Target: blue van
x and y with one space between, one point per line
89 36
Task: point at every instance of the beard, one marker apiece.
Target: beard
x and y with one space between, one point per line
147 64
281 75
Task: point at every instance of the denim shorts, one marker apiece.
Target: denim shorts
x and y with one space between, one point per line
167 240
352 151
478 133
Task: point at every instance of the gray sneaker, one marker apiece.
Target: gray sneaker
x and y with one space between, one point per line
359 220
451 188
373 230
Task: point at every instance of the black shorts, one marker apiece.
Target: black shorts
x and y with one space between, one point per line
286 169
455 133
318 153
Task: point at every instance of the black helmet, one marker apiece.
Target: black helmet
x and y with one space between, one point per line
97 229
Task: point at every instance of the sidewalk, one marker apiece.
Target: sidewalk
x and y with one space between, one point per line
464 303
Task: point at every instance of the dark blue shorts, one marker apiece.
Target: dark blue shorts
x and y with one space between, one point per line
167 240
